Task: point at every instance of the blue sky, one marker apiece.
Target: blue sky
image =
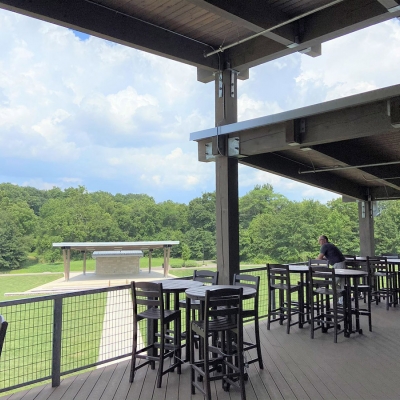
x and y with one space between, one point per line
78 110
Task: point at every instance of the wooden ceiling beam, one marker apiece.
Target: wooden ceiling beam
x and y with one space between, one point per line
341 19
390 5
255 15
281 166
325 128
384 193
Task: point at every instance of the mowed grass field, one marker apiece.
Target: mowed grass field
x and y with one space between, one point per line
77 265
15 283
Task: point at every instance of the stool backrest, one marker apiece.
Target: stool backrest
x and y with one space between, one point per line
249 281
352 264
205 276
377 264
3 330
323 277
390 255
223 303
147 296
278 275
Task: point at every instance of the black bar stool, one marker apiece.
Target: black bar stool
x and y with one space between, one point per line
384 281
222 317
3 330
251 312
325 312
149 296
279 281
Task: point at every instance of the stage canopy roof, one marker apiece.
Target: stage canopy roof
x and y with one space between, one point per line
97 246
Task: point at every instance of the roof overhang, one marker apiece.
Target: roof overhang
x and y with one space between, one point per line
211 34
350 146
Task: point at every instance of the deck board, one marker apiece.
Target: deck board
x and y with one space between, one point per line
362 367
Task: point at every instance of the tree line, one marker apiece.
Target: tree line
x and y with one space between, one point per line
272 228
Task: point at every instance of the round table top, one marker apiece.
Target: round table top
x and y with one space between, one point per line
298 268
199 293
350 272
389 259
178 285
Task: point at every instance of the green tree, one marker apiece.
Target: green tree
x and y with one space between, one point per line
186 253
342 226
387 228
13 249
287 235
75 218
35 198
260 200
202 244
202 212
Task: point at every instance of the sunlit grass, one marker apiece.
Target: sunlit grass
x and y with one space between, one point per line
77 265
28 354
13 284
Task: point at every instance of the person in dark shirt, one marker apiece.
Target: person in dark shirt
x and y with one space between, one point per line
331 253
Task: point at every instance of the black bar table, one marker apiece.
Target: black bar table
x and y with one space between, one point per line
349 274
175 287
199 293
303 270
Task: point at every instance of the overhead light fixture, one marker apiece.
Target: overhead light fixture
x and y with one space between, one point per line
342 168
306 148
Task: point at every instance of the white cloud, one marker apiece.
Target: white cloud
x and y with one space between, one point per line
249 108
310 192
112 118
62 183
249 177
364 60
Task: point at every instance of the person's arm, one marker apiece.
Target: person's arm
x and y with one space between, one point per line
322 251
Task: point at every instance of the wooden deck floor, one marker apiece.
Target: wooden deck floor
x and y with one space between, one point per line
295 367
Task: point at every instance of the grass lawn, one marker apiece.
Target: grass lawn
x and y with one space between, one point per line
77 266
28 351
13 283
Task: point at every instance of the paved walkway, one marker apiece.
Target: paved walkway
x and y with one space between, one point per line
117 331
90 280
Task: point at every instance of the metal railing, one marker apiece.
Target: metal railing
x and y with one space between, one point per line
56 335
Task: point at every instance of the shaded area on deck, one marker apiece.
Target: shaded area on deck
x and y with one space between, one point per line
296 367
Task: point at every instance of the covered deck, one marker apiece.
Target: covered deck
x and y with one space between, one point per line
295 367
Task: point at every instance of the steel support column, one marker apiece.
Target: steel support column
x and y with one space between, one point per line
366 225
227 201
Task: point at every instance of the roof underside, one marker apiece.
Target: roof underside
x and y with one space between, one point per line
188 30
350 146
252 32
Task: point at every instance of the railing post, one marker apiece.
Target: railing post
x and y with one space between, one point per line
57 332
